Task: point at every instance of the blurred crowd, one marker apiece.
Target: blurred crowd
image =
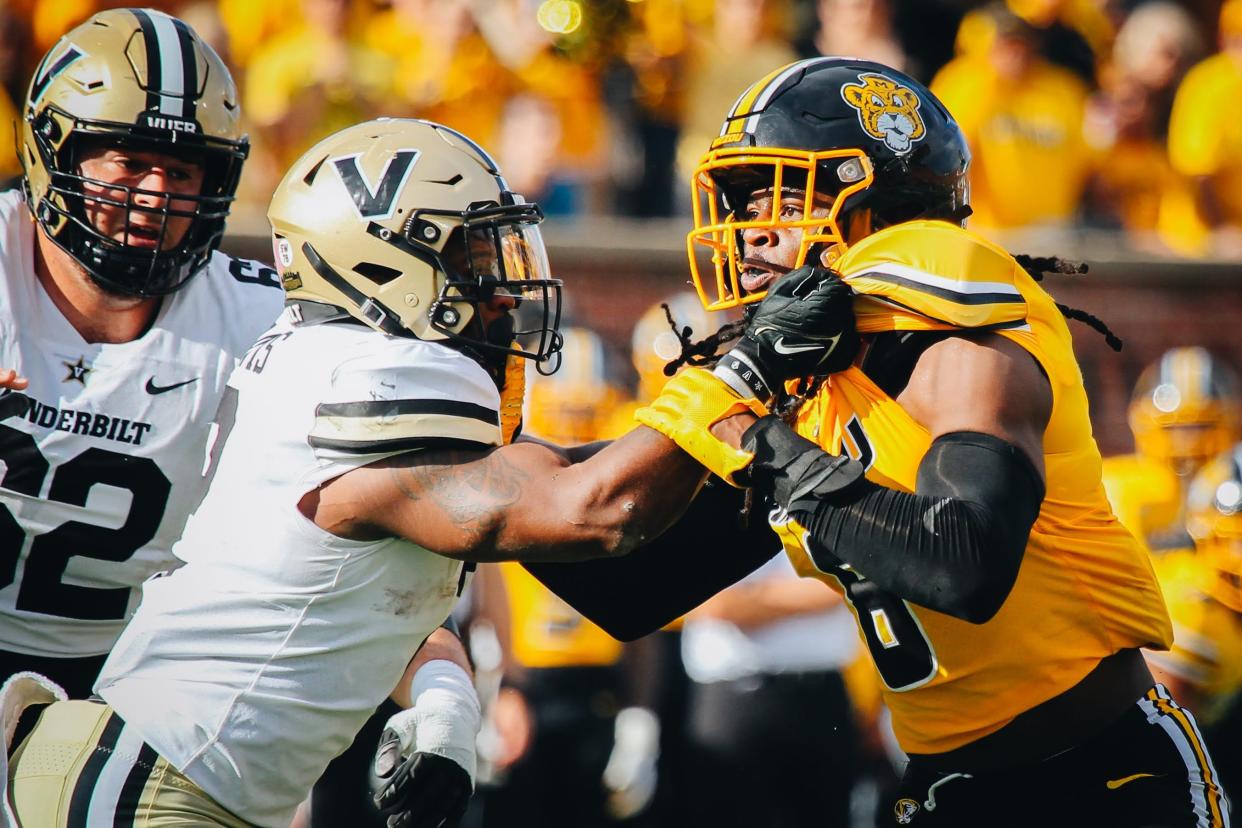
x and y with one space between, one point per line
1103 113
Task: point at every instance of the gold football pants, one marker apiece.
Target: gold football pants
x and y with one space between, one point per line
82 766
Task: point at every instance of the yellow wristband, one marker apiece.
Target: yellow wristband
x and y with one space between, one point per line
690 404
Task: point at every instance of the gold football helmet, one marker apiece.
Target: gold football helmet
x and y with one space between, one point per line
1214 520
1185 409
864 145
408 226
142 80
570 407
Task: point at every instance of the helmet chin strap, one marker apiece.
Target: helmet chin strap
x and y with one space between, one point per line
500 331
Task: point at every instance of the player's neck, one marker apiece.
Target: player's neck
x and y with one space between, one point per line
97 315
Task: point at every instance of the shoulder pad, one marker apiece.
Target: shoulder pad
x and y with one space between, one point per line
940 271
935 247
404 395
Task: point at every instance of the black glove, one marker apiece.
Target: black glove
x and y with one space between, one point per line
804 327
421 791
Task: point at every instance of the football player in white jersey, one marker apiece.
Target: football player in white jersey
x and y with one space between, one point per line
364 455
119 326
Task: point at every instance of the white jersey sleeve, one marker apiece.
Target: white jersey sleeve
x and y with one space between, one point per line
406 397
100 470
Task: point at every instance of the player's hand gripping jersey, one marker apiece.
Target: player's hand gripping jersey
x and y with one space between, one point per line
102 466
306 632
1085 588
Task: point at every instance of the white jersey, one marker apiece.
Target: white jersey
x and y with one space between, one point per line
98 475
259 660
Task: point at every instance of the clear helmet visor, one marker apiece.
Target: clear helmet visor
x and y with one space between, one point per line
500 255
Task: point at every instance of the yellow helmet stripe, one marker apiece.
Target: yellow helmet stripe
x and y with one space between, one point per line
757 96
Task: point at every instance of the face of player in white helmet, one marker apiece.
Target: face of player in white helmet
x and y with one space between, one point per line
153 178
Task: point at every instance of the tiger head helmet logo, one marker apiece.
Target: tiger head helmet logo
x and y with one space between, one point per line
887 111
904 810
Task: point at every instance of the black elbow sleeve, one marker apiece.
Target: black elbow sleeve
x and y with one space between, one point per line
954 546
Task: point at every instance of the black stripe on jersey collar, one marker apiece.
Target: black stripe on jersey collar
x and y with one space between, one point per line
393 408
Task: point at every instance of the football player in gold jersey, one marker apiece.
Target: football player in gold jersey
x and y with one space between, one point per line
1203 587
944 479
1185 410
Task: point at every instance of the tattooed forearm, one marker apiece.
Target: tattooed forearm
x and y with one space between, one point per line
471 489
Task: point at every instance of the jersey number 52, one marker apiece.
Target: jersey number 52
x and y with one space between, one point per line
42 589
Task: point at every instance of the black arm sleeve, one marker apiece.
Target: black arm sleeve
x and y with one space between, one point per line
954 546
706 550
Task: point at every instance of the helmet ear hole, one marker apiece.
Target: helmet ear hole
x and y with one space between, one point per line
377 273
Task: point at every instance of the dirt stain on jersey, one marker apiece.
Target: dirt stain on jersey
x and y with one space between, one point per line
402 603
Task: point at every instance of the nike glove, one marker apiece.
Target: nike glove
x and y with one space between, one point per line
804 327
426 761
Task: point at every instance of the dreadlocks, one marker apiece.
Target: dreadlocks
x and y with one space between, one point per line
702 352
1037 266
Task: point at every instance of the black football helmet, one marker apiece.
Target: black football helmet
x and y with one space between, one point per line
876 141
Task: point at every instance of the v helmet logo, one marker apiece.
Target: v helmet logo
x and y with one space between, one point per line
49 69
376 202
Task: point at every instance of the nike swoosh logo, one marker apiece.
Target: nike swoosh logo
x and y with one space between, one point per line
1114 784
781 348
152 388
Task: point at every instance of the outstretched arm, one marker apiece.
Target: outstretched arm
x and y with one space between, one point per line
524 501
709 548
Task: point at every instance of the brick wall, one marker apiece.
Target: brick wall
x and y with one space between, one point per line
614 270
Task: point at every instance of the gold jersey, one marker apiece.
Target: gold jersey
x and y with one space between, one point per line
1203 144
1147 498
1030 157
1085 589
547 632
1207 645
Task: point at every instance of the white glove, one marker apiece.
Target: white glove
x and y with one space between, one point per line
630 776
